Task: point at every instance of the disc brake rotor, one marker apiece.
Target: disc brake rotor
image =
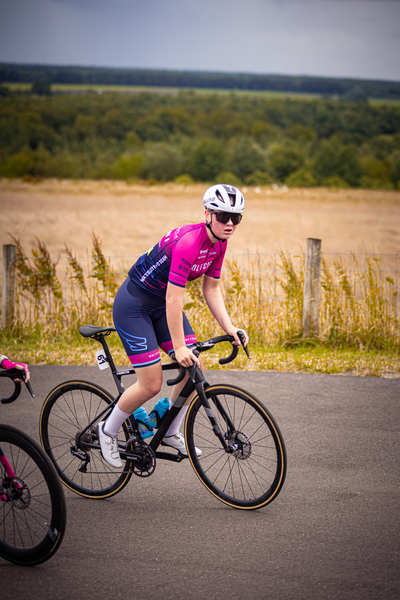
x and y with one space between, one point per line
241 440
18 493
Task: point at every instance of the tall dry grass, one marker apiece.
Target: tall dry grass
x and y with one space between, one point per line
263 293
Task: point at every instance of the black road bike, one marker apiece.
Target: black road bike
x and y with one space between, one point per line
33 512
243 460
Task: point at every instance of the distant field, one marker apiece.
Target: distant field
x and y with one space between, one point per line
70 87
136 89
130 218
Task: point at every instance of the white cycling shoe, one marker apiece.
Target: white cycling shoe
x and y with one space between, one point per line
109 447
177 441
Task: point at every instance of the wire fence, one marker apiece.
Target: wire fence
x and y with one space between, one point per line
359 300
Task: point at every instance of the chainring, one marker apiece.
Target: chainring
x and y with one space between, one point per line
148 464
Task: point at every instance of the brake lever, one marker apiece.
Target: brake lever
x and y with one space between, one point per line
242 341
28 385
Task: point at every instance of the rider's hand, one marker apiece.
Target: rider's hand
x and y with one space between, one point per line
9 364
237 341
185 357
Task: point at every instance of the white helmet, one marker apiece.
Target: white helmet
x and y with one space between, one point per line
225 198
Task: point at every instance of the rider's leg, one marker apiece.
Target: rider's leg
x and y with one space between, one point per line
176 390
148 385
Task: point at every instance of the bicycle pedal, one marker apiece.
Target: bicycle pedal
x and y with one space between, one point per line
178 452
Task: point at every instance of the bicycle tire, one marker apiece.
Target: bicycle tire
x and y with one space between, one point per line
250 477
67 409
34 517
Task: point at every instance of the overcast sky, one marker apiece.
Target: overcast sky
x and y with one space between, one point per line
339 38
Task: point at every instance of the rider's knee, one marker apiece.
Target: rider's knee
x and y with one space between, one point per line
154 386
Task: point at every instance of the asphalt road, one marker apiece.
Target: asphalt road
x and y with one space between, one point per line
332 533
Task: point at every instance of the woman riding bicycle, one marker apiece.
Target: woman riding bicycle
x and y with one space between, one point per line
148 309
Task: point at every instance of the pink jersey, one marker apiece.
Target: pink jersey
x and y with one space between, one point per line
183 254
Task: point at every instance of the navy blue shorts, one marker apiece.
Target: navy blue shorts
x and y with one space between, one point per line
141 322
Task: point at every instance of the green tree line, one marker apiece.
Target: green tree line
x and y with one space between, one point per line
10 72
186 136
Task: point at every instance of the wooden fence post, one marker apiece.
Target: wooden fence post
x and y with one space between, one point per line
8 289
311 288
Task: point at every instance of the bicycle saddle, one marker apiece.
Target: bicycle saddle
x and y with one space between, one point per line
91 330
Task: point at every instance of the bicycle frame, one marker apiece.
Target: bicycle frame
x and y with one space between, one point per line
195 382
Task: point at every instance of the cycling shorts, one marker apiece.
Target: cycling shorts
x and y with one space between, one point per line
141 323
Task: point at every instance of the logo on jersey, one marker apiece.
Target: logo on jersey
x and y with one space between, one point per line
153 268
202 267
134 343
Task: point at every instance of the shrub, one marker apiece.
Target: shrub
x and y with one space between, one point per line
395 168
85 126
184 178
283 160
259 178
301 178
374 183
18 165
161 162
128 165
335 181
334 158
229 178
207 160
245 156
132 140
41 88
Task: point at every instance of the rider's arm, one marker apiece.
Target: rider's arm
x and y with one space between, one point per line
174 304
215 302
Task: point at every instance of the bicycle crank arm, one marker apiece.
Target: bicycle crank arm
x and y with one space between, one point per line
136 458
169 456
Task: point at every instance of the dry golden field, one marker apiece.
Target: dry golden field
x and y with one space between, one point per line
129 218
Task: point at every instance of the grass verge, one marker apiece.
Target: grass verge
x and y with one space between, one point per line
358 315
72 349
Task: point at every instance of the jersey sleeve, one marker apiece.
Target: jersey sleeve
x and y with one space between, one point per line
184 254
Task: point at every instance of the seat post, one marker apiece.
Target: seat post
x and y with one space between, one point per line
117 378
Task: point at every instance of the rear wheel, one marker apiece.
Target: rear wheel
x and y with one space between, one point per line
66 412
33 513
252 473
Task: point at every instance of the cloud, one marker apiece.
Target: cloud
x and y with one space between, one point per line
352 38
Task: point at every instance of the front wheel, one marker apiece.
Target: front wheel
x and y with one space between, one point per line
251 472
32 505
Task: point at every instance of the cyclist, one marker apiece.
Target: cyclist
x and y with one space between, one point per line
7 364
148 309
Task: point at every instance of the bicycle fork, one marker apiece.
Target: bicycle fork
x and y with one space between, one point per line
9 472
200 383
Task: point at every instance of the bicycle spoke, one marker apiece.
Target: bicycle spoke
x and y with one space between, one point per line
68 439
251 471
33 515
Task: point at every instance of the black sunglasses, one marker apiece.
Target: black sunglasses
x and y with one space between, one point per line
224 217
